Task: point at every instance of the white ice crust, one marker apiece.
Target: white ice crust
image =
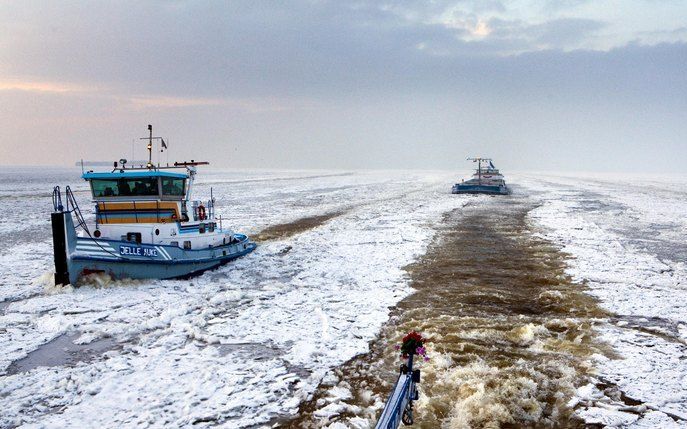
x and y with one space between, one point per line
239 346
244 345
627 237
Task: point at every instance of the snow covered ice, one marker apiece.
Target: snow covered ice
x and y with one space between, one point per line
244 345
293 309
628 239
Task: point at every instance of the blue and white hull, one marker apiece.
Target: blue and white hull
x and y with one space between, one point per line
465 188
130 260
486 180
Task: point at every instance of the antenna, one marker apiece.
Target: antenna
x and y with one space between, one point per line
150 139
479 162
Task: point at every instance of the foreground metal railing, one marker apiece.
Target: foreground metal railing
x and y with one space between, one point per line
399 406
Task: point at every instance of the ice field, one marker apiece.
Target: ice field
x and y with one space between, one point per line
246 344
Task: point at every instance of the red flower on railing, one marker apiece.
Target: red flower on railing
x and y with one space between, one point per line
413 344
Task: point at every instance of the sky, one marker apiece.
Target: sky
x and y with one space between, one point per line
572 85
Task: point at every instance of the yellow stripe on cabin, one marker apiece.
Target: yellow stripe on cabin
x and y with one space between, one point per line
141 219
111 208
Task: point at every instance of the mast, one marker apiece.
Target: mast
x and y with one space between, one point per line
150 139
150 147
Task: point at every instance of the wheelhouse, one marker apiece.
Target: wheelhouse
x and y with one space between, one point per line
137 185
139 196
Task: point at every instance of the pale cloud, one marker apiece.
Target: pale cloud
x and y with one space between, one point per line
147 101
141 102
18 84
481 29
655 36
568 24
252 105
469 27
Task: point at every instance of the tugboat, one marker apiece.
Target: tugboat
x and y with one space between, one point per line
146 225
486 180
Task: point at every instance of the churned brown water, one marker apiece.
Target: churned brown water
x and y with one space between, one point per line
510 332
284 230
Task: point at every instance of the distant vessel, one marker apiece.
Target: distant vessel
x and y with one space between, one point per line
146 225
486 180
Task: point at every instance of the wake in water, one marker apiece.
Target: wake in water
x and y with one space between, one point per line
511 334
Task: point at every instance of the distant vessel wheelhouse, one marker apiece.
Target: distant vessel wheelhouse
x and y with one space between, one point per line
146 225
486 180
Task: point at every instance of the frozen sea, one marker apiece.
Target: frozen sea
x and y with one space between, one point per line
247 344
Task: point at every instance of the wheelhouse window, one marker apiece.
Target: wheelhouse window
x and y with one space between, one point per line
174 187
125 187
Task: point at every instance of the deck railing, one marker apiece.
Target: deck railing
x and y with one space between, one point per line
71 207
399 406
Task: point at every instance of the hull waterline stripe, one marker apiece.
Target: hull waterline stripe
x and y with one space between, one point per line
91 243
90 246
93 250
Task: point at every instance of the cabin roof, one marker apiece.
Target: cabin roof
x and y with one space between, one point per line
132 174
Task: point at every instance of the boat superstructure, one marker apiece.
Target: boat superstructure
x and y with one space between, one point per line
146 226
486 180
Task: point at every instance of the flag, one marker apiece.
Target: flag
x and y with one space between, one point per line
491 164
164 145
